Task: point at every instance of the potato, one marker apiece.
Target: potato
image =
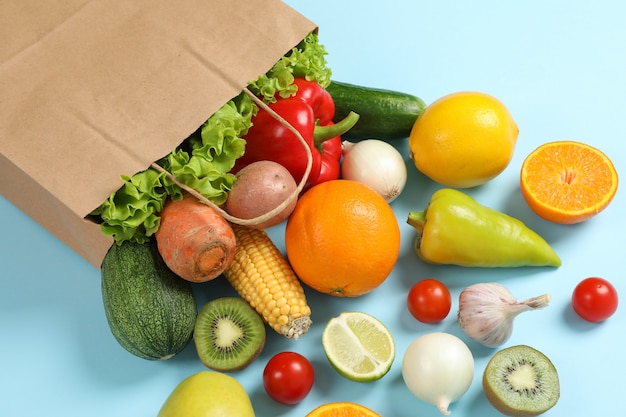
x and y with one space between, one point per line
261 187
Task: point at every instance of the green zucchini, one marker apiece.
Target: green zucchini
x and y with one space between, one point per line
384 114
150 310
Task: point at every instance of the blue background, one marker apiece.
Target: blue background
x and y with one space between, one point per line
559 67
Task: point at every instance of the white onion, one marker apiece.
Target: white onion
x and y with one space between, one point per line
438 368
375 163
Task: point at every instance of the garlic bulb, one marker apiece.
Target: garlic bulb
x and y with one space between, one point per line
486 312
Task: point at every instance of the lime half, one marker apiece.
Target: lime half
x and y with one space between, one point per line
358 346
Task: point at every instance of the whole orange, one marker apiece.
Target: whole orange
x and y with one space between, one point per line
463 139
342 238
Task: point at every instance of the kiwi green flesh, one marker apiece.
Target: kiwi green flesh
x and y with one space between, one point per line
521 381
229 334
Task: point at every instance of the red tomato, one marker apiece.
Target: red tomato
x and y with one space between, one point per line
429 301
288 377
594 299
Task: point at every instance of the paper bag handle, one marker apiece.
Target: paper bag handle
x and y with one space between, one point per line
266 216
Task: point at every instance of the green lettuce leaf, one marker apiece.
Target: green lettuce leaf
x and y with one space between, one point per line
131 213
307 60
206 167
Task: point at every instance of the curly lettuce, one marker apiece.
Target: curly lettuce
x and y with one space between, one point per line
131 213
204 160
214 150
307 60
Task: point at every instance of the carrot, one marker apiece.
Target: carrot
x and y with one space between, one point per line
194 240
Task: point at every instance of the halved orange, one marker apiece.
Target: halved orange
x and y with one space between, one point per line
342 409
568 182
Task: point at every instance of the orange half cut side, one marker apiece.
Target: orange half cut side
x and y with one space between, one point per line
567 182
342 409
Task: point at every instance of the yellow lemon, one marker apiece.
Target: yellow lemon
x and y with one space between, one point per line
463 139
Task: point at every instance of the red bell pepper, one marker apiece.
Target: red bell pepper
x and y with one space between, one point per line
310 111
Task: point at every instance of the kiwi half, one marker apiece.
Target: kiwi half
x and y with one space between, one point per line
521 381
229 334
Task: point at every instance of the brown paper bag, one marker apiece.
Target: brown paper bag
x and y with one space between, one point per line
95 89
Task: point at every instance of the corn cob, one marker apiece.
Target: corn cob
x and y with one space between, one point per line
262 277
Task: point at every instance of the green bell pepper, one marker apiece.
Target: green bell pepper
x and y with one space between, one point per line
455 229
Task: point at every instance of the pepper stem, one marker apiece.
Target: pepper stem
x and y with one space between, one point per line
417 219
323 133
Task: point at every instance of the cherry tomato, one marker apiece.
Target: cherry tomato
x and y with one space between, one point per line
288 377
594 299
429 301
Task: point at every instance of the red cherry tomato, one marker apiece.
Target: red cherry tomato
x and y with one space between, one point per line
288 377
429 301
594 299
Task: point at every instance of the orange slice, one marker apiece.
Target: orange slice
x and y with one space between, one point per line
567 182
342 409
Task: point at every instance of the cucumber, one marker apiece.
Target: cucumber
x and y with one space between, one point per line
384 114
150 310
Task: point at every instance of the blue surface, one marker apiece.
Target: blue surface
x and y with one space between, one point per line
559 66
